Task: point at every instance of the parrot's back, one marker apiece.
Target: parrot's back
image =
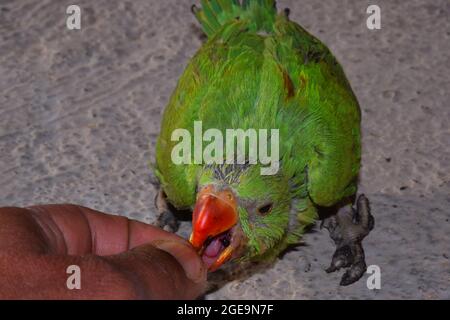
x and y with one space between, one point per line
259 70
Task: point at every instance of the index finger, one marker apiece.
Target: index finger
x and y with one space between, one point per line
76 230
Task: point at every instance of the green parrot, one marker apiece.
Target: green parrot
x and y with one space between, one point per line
260 70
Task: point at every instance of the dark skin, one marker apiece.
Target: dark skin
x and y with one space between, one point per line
118 258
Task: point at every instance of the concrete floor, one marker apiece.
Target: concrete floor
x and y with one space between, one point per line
80 111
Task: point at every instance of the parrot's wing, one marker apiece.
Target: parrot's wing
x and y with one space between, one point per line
323 115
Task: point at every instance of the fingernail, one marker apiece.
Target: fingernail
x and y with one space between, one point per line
193 266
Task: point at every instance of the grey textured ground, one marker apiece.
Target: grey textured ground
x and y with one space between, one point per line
80 111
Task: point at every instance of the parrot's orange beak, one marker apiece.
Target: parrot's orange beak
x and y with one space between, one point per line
215 214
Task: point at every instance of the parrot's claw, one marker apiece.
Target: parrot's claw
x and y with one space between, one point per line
168 222
347 229
351 257
166 219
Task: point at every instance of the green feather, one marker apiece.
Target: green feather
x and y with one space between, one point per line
214 14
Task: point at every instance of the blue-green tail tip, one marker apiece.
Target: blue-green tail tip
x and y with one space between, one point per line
213 14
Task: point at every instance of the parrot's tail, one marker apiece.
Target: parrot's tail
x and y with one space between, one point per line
214 14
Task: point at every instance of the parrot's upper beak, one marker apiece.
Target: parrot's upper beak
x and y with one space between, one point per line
215 215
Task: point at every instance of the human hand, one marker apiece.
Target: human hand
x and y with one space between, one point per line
118 258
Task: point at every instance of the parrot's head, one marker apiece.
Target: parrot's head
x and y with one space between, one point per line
239 213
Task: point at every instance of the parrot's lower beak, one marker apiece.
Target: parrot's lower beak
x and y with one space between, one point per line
215 215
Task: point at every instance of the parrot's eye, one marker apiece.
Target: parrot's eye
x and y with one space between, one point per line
265 209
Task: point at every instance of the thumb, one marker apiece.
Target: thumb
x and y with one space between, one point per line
165 269
183 252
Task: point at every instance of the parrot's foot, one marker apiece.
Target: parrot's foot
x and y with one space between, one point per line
166 218
347 229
